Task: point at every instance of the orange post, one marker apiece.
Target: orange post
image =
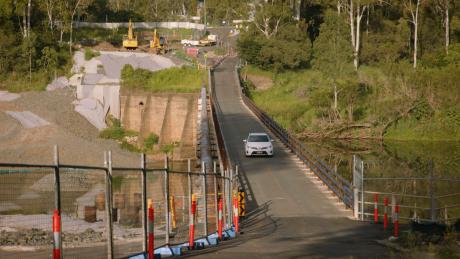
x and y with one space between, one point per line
151 233
191 241
385 213
219 228
235 214
376 209
56 235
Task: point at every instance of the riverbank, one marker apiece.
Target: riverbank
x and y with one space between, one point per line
377 106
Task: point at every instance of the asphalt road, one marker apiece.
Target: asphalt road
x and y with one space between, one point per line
289 216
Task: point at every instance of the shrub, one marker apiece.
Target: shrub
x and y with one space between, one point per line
89 54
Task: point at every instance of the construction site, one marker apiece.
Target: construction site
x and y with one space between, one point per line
71 114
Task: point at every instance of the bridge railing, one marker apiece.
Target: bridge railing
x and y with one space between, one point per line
342 188
103 210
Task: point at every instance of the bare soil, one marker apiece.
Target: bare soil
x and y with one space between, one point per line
261 82
77 139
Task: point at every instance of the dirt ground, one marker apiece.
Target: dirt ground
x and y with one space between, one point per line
77 139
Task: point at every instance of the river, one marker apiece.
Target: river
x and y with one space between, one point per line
424 176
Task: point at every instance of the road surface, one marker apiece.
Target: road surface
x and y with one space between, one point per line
290 217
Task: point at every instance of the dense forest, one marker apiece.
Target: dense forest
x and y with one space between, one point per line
352 68
339 68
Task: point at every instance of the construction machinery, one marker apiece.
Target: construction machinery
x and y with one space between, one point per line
158 44
130 40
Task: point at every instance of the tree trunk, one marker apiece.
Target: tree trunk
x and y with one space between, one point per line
352 24
357 38
335 97
29 5
24 22
416 34
447 30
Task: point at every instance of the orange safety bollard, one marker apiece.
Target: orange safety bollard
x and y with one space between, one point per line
151 233
235 214
191 241
376 209
396 221
385 213
219 226
56 235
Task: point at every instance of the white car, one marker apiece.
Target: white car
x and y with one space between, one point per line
258 144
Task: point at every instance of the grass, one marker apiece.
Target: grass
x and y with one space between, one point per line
89 54
20 82
300 101
184 79
287 101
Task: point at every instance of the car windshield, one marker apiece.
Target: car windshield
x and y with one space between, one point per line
258 138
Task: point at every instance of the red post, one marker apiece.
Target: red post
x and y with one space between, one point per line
151 233
191 241
56 235
385 213
219 227
235 214
396 221
376 209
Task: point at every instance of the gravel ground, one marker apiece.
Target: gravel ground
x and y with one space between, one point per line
77 139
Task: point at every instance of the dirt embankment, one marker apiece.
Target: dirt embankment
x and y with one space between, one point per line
77 139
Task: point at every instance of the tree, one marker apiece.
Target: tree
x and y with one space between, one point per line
356 10
443 7
332 54
271 16
412 8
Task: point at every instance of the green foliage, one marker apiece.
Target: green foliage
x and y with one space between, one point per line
176 80
289 49
116 131
89 54
332 53
151 141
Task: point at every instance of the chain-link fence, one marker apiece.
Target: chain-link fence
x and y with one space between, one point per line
101 212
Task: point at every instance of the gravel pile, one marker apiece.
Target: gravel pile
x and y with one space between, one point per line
77 139
37 237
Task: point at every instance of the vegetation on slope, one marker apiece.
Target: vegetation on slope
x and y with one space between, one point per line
183 79
382 90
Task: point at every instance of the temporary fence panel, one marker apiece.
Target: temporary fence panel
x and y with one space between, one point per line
179 207
83 214
211 201
198 191
156 188
127 212
26 210
423 195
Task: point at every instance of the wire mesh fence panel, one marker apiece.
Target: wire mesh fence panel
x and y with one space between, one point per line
83 217
127 202
26 210
156 193
198 191
179 207
211 202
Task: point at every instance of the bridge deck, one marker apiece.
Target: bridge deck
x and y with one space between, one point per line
290 216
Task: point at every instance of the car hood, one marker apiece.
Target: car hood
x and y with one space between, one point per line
259 144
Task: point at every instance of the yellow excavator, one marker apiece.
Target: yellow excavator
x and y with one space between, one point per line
130 41
158 44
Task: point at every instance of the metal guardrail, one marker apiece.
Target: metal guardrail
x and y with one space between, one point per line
337 184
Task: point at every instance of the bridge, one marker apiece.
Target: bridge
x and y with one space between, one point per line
291 215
